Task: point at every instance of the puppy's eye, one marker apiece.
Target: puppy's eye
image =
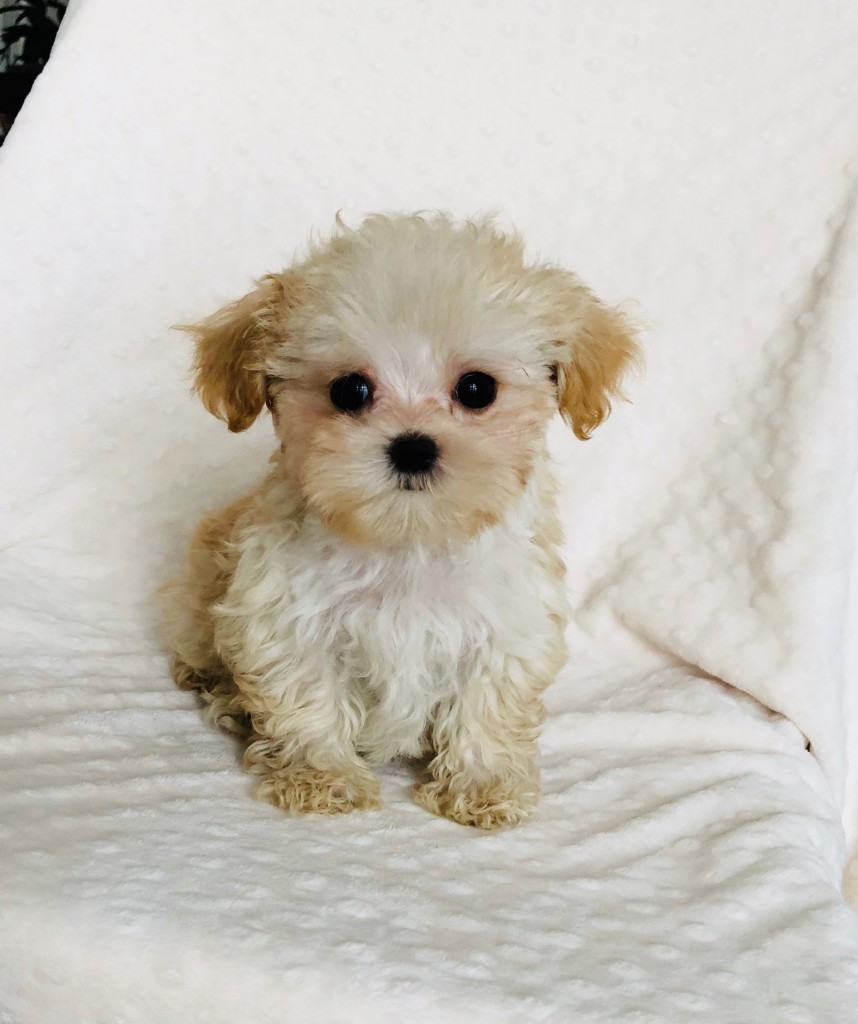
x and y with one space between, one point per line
476 390
351 393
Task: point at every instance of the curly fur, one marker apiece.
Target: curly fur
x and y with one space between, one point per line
333 619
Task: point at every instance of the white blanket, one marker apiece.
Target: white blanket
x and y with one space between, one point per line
686 859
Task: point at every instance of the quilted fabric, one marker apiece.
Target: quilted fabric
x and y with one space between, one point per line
686 860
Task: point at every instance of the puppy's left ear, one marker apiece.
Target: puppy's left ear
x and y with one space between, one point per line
598 347
231 347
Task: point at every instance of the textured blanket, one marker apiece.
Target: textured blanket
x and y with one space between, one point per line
687 858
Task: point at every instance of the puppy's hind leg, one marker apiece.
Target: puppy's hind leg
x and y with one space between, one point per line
219 695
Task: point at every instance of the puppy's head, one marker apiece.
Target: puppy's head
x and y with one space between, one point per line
412 367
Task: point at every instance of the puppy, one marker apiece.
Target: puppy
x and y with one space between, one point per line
393 587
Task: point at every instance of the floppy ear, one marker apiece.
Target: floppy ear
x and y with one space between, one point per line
229 365
598 347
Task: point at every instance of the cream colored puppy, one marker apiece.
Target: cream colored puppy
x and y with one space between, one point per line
393 586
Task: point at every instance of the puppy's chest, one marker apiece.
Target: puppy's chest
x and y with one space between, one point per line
406 618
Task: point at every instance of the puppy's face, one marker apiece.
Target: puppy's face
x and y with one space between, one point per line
412 367
419 418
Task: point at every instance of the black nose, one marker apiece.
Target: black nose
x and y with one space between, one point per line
412 453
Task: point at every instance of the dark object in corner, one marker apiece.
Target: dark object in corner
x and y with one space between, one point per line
28 34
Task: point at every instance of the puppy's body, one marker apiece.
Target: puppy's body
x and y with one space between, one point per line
350 611
374 650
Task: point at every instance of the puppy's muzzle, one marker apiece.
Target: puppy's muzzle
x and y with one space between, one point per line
411 454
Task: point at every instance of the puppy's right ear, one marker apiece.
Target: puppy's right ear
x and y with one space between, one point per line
229 365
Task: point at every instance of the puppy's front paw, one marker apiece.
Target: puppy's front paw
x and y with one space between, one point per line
307 790
484 805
